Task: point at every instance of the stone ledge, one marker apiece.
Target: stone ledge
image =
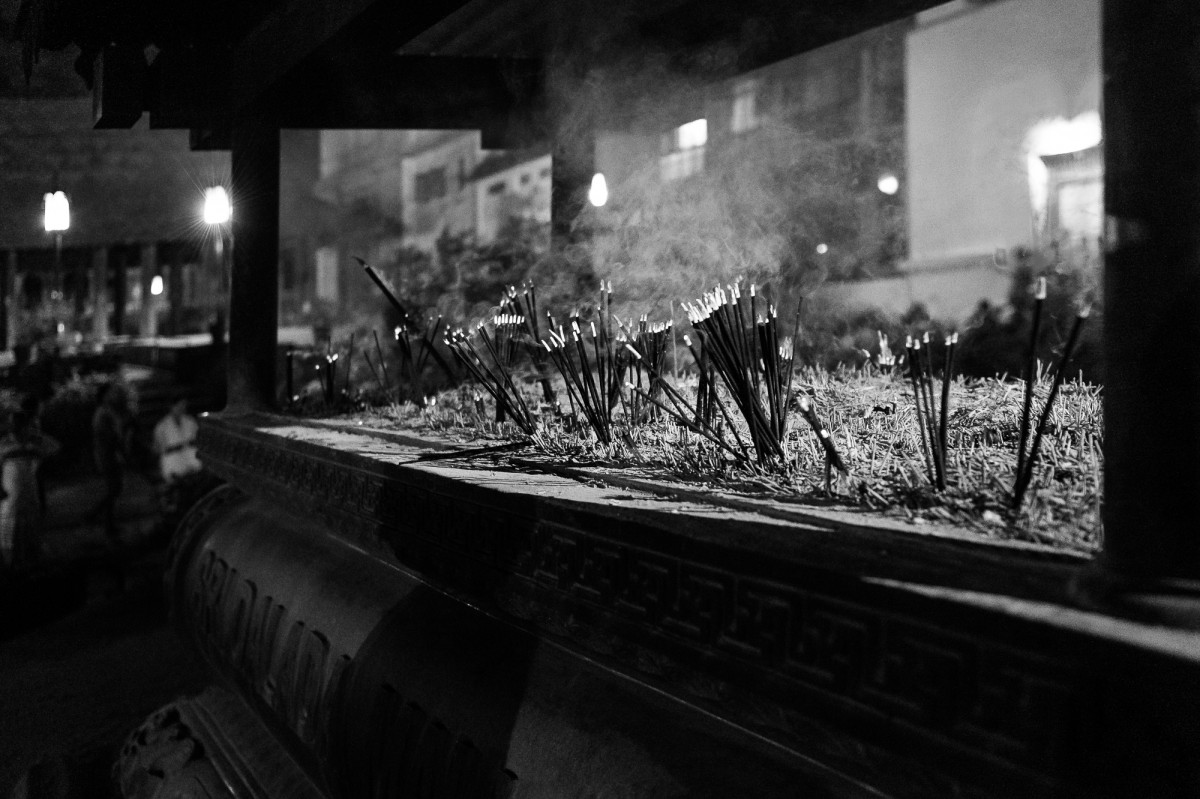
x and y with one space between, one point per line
912 662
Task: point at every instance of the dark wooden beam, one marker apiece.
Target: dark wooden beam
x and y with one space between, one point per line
1152 297
189 88
119 87
358 89
297 29
501 97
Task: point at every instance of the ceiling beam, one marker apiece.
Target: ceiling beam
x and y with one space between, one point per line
501 97
297 29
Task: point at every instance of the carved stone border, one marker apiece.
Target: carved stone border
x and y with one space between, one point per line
898 687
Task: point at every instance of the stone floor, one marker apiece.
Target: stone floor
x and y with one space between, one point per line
85 649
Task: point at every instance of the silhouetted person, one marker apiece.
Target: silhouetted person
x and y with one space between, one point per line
111 436
22 451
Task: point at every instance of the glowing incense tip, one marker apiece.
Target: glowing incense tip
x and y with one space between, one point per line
1040 292
1084 311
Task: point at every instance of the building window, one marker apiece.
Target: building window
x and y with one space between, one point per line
683 150
545 173
525 179
431 184
496 188
745 114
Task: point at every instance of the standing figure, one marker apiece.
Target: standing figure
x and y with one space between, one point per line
22 451
175 443
112 432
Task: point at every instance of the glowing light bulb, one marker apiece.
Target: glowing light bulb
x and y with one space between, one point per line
822 248
888 183
58 212
598 193
156 285
217 209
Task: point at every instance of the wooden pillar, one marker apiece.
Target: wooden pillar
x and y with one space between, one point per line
120 292
80 269
253 305
1152 303
100 293
8 303
175 289
147 321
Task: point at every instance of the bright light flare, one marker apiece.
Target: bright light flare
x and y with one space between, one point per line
888 183
58 212
822 248
217 209
156 285
598 193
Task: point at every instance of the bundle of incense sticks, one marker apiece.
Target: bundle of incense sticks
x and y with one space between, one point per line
1027 464
374 373
749 362
931 423
1039 300
706 390
525 305
569 354
496 378
413 364
329 385
680 410
651 340
887 359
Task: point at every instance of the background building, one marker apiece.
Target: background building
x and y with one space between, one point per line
939 147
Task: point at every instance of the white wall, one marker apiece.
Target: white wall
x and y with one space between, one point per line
979 78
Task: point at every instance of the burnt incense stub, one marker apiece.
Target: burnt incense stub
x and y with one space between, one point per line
398 622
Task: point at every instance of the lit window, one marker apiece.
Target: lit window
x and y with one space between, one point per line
683 150
745 116
692 134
